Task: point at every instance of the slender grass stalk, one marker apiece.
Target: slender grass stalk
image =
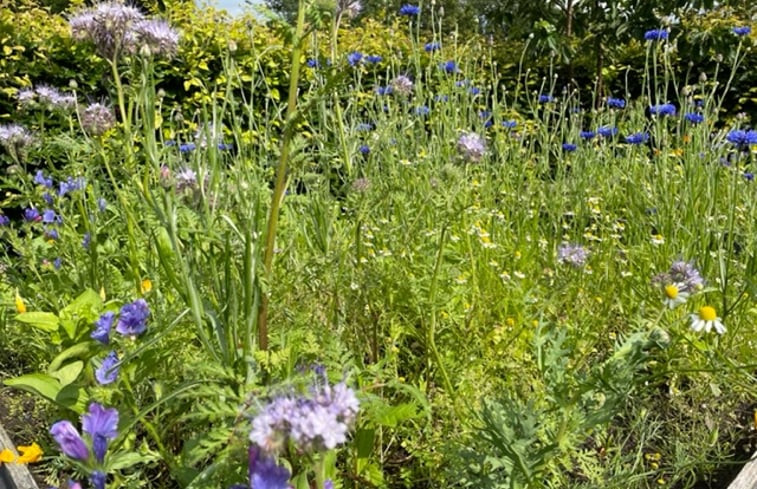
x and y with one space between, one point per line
281 175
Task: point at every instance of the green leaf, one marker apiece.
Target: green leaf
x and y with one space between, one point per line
68 374
45 321
75 351
87 304
40 384
392 415
124 460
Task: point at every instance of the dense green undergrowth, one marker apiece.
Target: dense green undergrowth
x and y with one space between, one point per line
525 287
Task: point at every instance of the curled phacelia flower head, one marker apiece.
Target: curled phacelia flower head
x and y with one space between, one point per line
96 119
157 37
14 137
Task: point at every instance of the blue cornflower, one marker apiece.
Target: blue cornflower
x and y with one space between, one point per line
449 67
616 103
225 146
364 149
170 143
312 63
364 126
373 59
422 110
52 234
40 179
430 47
656 35
694 117
102 204
607 131
462 83
742 138
637 138
86 240
4 221
587 135
102 327
410 10
662 109
486 116
748 176
474 90
187 147
546 98
354 58
569 147
387 90
441 98
32 214
57 263
742 31
50 217
509 124
107 372
132 320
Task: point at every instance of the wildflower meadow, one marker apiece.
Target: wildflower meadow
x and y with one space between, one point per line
347 246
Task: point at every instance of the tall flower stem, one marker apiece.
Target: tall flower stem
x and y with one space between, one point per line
281 176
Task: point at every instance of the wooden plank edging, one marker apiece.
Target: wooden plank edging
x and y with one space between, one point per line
747 478
12 475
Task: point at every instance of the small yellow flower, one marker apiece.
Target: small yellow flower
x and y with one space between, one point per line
20 306
29 454
6 456
146 285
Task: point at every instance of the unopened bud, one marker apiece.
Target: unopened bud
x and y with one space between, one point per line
702 77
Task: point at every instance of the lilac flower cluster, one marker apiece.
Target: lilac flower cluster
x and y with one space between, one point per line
574 255
115 28
316 422
350 8
471 146
682 274
47 97
96 119
15 137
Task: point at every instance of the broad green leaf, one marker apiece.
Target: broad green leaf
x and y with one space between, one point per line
71 352
40 384
45 321
68 374
87 302
124 460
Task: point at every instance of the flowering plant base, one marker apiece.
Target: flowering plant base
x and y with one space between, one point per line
12 475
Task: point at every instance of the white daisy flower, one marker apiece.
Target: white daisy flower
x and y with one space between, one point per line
674 295
707 319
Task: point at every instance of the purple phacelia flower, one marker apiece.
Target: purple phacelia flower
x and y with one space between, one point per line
471 146
132 320
97 119
15 137
402 85
156 37
574 255
683 275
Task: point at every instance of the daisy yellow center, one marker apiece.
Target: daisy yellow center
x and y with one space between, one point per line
671 291
707 313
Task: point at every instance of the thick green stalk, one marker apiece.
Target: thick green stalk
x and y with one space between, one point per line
278 191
